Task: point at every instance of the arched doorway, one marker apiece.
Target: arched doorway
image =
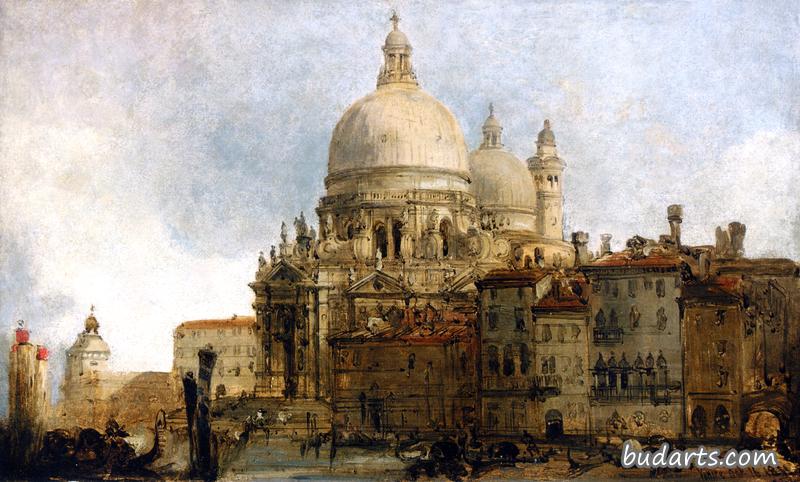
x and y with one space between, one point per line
446 230
699 422
554 424
381 241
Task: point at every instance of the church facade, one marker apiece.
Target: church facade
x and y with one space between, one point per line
409 220
440 294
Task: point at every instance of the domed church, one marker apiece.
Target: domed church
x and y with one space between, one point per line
410 220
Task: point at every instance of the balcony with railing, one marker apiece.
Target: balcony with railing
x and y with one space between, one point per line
607 335
545 386
643 385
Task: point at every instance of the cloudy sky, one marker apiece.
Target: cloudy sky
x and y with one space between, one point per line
149 150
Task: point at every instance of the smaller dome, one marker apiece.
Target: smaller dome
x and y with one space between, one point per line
491 122
396 38
546 136
500 180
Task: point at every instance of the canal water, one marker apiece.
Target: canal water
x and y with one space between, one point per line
282 459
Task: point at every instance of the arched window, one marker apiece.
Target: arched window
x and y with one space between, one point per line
613 320
699 422
600 319
445 229
381 241
528 262
722 419
397 237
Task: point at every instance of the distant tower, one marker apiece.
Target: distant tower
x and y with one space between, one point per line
547 170
89 354
87 367
27 398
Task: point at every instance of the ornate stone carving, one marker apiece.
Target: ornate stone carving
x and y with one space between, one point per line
329 231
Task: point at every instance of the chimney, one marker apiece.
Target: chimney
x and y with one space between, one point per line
675 218
736 232
605 244
580 240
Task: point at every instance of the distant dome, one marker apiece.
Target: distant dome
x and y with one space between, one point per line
90 343
397 125
499 179
546 136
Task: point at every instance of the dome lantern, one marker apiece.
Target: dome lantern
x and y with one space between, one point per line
397 58
492 131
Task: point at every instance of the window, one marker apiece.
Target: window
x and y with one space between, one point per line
519 318
493 360
381 241
548 365
397 237
445 230
613 319
547 335
494 316
615 289
508 360
722 419
524 358
632 288
660 288
661 319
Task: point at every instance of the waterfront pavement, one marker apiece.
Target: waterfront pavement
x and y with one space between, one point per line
281 459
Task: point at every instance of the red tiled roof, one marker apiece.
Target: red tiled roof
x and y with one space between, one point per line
218 324
624 259
721 288
562 296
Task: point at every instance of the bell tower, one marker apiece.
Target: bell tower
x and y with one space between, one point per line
547 170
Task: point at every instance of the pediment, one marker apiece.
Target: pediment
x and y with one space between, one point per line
377 282
285 272
464 282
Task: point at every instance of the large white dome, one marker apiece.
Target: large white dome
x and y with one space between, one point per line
398 133
398 125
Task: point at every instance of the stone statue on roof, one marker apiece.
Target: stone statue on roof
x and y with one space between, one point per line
284 232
